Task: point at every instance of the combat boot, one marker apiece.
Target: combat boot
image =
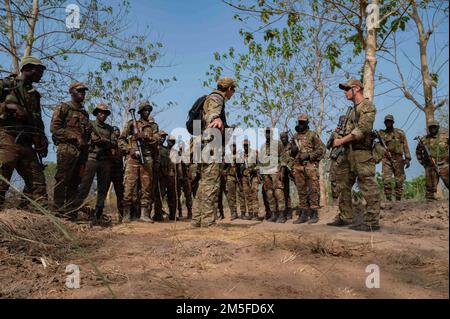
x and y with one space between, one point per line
245 217
145 215
189 214
126 215
274 217
289 213
256 217
282 217
314 216
158 217
302 218
234 216
96 216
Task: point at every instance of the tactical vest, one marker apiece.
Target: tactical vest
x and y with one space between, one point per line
394 140
76 120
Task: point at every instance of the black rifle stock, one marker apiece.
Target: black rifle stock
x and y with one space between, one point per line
135 130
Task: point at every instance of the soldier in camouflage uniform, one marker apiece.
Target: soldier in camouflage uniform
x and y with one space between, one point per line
334 161
271 167
437 143
308 150
213 118
235 191
71 131
184 178
250 181
147 132
357 164
393 163
117 174
167 179
284 138
102 144
22 134
155 200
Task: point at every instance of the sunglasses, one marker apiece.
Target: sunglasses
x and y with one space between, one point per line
81 90
348 88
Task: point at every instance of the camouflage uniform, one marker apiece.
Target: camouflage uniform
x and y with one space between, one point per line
286 151
136 172
250 183
397 145
358 164
18 135
184 178
306 173
167 183
209 185
117 172
438 146
222 192
234 186
71 131
101 145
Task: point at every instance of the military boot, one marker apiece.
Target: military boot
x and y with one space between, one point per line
158 216
256 217
126 215
245 217
274 217
145 215
302 217
234 216
96 215
314 216
289 213
189 214
282 217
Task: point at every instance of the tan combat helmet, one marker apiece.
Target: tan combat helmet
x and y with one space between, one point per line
30 60
101 107
78 86
226 82
145 105
389 117
351 83
303 118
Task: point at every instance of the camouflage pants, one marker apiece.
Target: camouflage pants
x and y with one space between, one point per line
234 194
70 165
358 166
101 169
117 182
287 191
395 169
333 180
184 186
133 172
273 187
250 187
207 198
432 180
307 182
222 191
166 187
23 159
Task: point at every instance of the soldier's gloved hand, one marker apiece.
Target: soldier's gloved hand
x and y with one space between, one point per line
407 163
304 157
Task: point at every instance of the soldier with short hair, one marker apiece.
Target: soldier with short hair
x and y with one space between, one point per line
436 163
102 144
308 150
71 131
22 136
147 132
357 163
396 159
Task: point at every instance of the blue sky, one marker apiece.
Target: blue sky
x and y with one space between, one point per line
192 31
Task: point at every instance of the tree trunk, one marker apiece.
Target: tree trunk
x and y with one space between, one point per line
31 26
12 42
370 61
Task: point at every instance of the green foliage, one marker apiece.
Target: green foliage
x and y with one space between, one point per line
415 188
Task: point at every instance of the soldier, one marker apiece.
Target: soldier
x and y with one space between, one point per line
357 163
234 184
393 163
23 143
333 160
308 150
167 179
71 131
436 163
273 186
184 185
213 117
155 200
145 131
250 181
117 174
286 149
102 144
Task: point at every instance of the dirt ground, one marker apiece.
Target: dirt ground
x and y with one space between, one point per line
239 259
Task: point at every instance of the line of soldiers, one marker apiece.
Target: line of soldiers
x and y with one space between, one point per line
139 166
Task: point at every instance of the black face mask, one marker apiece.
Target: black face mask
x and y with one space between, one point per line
302 126
433 130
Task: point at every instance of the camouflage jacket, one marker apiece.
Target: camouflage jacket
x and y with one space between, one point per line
103 142
272 158
70 122
396 142
214 107
166 166
438 147
150 131
360 125
233 164
310 143
18 92
250 163
286 153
